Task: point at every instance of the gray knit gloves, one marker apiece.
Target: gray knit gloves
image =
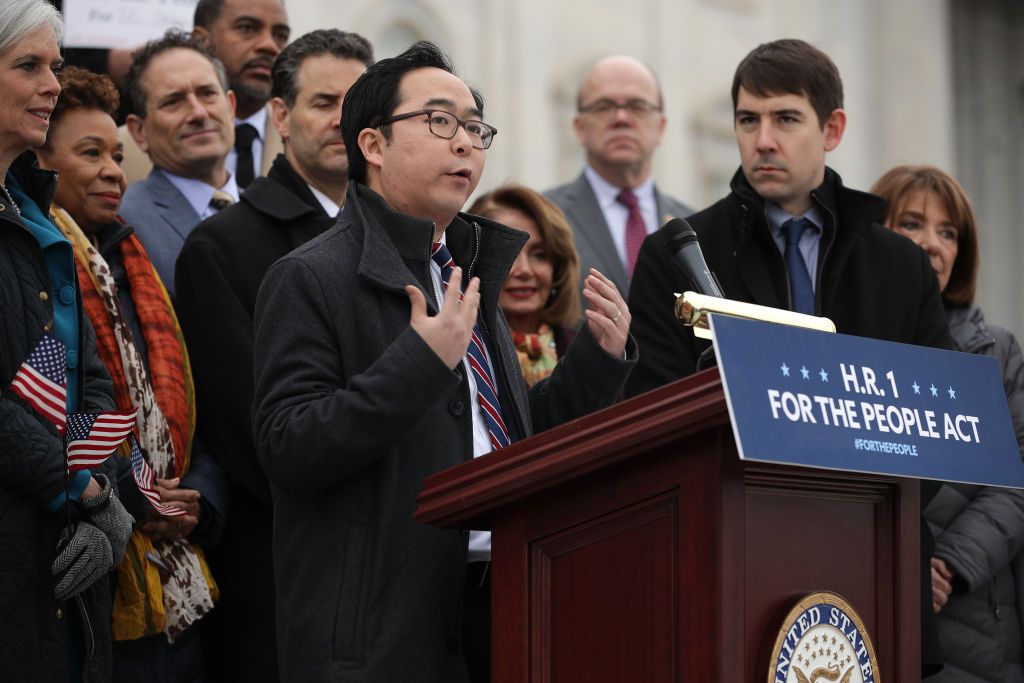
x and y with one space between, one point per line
106 513
93 546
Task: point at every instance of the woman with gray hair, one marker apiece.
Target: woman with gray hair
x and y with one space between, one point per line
61 533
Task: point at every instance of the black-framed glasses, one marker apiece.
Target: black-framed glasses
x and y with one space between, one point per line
445 124
638 108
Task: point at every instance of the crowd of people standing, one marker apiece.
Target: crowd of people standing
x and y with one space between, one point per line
260 245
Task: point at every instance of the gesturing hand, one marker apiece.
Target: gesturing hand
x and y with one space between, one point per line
607 313
447 333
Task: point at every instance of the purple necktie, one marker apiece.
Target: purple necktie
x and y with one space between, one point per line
636 229
486 389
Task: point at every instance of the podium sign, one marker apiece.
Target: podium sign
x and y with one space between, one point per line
840 402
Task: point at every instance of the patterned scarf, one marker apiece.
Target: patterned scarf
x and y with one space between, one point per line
536 351
162 586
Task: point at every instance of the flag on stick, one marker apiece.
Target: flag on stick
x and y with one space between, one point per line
42 381
145 480
91 437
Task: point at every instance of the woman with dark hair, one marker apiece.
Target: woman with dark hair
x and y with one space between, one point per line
163 585
55 554
977 567
540 299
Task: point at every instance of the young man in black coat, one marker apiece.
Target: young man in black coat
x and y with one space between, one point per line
371 375
219 271
790 235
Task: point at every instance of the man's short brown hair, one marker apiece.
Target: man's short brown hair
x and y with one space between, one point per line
791 67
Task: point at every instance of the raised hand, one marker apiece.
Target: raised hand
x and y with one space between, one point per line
448 333
607 313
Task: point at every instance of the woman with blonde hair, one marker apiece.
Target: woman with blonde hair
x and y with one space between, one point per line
976 568
540 299
61 532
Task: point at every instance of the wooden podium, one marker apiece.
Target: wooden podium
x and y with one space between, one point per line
635 545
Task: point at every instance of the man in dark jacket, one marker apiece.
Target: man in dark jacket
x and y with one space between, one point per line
791 236
363 387
218 273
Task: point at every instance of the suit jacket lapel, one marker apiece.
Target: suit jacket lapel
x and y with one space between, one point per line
584 211
171 204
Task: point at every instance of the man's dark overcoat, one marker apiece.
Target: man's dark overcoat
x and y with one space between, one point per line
219 272
353 410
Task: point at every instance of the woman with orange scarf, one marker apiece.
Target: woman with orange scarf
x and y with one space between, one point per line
164 585
541 297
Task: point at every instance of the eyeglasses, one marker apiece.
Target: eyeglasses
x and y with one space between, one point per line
444 124
638 108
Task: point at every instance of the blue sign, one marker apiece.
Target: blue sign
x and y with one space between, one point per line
850 403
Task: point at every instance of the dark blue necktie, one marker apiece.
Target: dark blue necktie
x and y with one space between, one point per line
799 280
486 390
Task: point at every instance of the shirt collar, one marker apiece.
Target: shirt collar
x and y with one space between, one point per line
777 217
257 121
606 192
198 194
330 207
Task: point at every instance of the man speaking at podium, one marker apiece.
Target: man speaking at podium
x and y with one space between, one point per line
360 393
789 234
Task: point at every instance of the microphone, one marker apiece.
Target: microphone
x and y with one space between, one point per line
685 250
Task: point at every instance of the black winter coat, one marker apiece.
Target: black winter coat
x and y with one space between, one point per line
32 630
871 281
353 409
218 274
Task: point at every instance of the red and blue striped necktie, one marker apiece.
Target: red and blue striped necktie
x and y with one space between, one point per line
486 389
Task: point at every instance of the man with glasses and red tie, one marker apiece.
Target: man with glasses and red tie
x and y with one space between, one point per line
613 205
381 357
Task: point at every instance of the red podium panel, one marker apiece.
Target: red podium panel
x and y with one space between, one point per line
634 545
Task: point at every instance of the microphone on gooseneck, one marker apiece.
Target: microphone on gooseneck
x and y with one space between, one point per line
685 250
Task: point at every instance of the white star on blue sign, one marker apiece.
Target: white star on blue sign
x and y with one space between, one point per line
935 392
917 388
785 369
952 393
805 372
824 375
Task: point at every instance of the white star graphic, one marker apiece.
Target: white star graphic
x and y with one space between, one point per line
917 388
824 375
952 392
804 372
785 369
935 392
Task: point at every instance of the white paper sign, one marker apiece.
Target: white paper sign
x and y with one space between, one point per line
123 23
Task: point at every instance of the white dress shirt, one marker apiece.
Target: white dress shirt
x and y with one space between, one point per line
330 207
199 193
615 214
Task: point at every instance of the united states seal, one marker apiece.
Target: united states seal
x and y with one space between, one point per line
823 639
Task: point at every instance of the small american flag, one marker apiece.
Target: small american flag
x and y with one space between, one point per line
42 380
144 479
92 437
